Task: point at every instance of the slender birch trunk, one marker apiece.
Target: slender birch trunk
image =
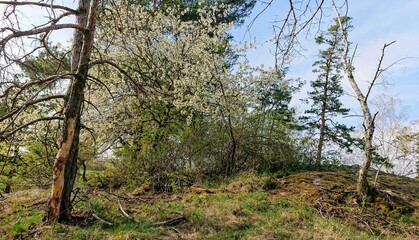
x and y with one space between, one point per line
362 186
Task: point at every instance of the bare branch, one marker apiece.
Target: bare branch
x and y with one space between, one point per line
40 4
310 20
379 70
125 213
91 209
258 15
27 125
100 83
30 103
171 222
94 106
17 34
35 82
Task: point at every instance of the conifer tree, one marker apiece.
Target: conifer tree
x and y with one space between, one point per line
324 98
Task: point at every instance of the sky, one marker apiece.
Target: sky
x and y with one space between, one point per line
375 22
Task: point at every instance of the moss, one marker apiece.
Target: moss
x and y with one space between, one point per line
298 208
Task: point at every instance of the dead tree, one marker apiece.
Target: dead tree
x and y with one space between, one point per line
369 117
14 48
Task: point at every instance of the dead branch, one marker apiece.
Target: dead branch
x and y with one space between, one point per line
29 103
40 4
27 125
292 26
301 15
268 4
122 210
125 213
17 34
49 79
91 209
122 71
379 70
171 222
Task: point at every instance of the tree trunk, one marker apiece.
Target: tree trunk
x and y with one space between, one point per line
323 117
362 186
362 183
232 161
324 103
65 166
369 120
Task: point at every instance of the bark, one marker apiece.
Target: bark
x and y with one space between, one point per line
65 166
232 162
323 112
362 183
369 120
322 132
362 186
329 63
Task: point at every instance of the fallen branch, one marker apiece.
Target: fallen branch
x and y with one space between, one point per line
171 222
125 213
34 232
91 209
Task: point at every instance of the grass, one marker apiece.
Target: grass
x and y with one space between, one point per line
242 208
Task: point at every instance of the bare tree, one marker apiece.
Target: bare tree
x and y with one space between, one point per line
369 117
18 43
301 17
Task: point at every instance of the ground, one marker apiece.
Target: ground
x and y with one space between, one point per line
304 205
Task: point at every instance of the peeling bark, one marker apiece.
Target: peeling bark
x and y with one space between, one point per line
65 166
58 171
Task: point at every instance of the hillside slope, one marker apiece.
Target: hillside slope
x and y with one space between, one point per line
305 205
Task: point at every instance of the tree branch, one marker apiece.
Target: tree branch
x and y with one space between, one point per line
379 70
17 34
133 81
2 137
27 104
40 4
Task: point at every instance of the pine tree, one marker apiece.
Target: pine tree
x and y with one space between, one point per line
324 98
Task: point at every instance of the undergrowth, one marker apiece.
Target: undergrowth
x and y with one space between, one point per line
309 205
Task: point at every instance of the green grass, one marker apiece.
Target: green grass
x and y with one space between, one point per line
241 209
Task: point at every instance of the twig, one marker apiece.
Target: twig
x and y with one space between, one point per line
320 208
365 223
100 219
171 222
33 233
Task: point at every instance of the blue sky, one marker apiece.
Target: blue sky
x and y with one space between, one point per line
375 22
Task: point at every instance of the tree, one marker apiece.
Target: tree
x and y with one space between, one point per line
343 23
325 95
179 60
165 91
406 144
64 170
301 18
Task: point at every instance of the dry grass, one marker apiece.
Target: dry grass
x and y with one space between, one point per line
309 205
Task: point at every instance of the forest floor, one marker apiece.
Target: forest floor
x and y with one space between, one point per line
304 205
